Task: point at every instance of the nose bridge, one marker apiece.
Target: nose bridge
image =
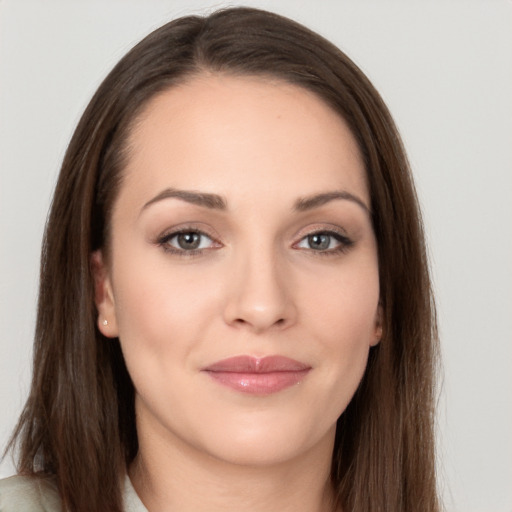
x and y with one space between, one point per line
259 294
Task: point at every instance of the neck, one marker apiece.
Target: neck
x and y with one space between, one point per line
174 476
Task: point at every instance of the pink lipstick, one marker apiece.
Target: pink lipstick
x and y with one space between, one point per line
259 376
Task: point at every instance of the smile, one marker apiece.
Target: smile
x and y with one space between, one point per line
258 376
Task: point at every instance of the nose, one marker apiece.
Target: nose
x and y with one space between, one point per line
259 294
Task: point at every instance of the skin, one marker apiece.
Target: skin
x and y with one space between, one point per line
257 286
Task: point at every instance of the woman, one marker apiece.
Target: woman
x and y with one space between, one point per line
235 309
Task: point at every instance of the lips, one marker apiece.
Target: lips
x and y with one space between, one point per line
259 376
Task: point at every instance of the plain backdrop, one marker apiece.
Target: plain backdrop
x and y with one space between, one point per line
445 70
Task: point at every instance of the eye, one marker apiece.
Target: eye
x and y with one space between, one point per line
324 241
186 241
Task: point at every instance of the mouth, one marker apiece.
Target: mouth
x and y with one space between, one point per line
258 376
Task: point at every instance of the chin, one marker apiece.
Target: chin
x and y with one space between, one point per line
266 445
257 454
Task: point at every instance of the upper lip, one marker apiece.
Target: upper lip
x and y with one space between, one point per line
251 364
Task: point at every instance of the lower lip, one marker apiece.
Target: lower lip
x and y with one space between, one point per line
259 383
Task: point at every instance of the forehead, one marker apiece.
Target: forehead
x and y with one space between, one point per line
244 135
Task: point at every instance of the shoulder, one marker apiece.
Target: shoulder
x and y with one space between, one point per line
29 494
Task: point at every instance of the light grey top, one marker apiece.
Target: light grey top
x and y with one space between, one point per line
29 494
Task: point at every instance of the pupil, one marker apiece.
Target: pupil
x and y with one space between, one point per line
319 241
189 240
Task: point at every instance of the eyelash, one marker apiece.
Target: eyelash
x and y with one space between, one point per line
164 242
344 243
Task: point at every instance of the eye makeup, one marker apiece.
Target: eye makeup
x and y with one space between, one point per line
190 241
325 243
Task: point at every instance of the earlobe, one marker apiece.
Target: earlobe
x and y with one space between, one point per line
377 335
103 296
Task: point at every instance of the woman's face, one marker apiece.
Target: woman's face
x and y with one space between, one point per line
243 276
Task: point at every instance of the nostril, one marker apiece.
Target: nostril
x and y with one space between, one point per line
242 322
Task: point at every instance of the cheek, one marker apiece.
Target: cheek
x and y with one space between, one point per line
344 303
344 317
160 310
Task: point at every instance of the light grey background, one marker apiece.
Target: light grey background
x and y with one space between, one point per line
445 70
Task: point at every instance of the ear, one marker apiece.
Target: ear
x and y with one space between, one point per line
377 332
103 296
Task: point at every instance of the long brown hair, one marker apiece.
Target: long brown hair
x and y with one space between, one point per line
78 422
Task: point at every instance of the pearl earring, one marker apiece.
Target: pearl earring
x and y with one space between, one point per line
105 322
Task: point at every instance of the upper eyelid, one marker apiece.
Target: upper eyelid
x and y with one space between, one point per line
172 234
188 228
321 228
342 238
206 230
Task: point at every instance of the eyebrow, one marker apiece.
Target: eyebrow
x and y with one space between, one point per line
216 202
211 201
315 201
